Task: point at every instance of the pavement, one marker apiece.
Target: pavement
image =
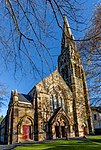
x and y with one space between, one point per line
12 146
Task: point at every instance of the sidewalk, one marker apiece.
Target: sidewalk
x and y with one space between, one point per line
12 146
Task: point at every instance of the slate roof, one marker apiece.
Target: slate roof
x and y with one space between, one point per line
24 98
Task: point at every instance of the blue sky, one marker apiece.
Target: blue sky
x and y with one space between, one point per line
24 83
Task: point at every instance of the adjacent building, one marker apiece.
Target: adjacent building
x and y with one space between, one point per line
96 117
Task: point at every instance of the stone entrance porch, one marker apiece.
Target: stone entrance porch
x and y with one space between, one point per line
58 125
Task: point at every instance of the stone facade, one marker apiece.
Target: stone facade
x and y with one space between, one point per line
52 105
57 106
20 112
3 131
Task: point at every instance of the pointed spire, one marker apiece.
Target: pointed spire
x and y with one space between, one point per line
67 36
66 28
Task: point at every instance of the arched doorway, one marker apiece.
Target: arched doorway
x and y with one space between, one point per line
59 126
25 129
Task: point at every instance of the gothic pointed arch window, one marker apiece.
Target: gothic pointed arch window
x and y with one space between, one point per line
60 101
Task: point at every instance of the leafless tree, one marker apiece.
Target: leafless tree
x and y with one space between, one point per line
1 118
30 28
91 53
3 94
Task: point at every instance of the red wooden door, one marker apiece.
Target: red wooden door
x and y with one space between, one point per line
84 131
26 132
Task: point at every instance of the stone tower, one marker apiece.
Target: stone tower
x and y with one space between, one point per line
71 69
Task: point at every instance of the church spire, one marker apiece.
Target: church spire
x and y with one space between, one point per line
67 36
66 28
71 69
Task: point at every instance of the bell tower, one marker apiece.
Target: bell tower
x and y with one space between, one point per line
68 47
71 69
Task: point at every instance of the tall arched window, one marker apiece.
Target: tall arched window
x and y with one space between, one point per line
60 102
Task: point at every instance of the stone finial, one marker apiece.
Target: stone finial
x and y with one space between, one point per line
14 93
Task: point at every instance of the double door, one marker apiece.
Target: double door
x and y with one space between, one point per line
60 131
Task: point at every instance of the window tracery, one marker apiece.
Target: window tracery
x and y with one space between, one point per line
56 102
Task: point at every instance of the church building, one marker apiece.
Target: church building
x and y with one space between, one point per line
56 107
